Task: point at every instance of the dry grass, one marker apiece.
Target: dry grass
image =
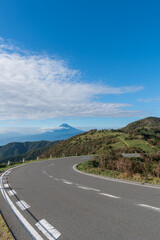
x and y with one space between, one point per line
4 231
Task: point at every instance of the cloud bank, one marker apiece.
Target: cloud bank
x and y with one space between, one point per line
39 87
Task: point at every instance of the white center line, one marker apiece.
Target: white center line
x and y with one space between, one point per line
67 182
88 188
51 164
48 230
57 179
150 207
83 187
94 189
108 195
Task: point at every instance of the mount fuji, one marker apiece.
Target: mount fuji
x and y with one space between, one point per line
63 132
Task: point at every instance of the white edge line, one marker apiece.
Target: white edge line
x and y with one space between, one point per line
25 223
114 179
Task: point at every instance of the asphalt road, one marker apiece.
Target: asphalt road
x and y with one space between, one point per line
60 203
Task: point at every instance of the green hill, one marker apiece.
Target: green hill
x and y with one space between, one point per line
28 150
150 122
140 136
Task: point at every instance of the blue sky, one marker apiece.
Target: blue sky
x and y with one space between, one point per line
91 64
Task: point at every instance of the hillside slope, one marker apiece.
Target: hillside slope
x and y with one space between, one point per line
142 136
28 150
150 122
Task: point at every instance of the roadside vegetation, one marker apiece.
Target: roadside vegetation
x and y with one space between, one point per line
112 164
108 146
141 138
4 231
15 152
4 166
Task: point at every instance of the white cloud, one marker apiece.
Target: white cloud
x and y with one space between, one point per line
149 99
40 87
26 130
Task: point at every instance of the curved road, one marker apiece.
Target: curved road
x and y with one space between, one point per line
53 201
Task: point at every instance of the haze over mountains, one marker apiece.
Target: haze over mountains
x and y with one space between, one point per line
63 132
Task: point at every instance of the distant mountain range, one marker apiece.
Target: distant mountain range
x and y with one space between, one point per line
29 150
141 136
63 132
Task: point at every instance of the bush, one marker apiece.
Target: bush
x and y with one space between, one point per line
145 166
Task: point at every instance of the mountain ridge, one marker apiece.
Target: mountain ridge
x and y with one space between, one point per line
16 151
141 136
63 132
149 122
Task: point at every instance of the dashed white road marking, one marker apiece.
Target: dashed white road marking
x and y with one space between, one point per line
88 188
47 174
48 230
83 187
94 189
6 185
108 195
57 179
35 235
12 192
51 164
23 205
149 207
67 182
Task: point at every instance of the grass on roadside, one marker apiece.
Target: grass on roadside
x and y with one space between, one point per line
4 231
4 167
88 167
